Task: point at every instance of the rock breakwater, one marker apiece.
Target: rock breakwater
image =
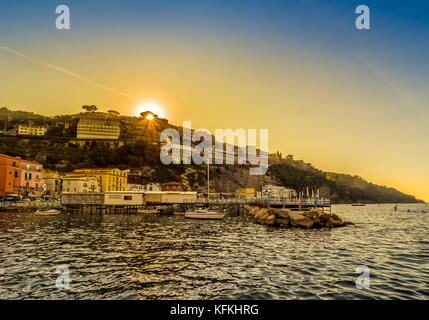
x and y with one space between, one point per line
286 218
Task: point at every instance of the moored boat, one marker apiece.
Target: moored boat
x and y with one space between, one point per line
358 204
51 212
205 214
148 211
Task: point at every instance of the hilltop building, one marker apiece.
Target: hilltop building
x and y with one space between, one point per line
31 130
110 179
97 125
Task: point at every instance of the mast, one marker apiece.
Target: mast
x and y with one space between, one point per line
208 182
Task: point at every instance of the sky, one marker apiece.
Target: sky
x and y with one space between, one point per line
346 100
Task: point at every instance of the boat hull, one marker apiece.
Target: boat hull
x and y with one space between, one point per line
148 211
47 213
205 216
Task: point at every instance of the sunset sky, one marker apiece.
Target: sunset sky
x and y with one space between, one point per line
346 100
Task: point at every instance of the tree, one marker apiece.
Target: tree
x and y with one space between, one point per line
113 112
90 108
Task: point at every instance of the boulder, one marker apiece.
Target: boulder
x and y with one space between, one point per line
312 214
270 220
333 223
282 221
299 220
259 214
284 214
264 216
324 217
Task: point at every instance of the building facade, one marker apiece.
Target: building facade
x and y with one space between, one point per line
110 179
172 186
53 181
19 176
32 183
98 126
245 193
31 130
277 191
81 184
10 175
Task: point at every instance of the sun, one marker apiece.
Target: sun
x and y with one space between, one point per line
152 107
149 117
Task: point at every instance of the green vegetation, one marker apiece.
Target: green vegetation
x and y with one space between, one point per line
342 188
55 152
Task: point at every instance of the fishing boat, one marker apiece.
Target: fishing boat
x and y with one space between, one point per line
51 212
205 214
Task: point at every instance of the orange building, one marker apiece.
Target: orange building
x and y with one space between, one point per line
10 175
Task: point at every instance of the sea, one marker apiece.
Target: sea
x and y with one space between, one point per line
383 255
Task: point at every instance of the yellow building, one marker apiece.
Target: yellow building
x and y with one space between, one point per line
53 181
245 193
31 130
110 179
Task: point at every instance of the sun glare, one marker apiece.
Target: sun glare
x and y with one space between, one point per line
152 107
149 117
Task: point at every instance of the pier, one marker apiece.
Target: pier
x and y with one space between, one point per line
131 202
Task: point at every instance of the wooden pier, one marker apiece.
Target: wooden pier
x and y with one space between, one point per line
93 204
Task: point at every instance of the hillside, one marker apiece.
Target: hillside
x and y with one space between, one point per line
55 152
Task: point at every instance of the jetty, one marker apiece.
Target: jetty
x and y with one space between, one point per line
176 201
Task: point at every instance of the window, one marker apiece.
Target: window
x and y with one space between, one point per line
128 198
16 174
14 164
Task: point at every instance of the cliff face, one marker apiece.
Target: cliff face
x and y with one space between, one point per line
229 178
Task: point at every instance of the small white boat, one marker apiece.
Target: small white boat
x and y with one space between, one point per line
358 204
148 211
205 214
51 212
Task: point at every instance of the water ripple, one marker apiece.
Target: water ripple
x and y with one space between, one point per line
150 257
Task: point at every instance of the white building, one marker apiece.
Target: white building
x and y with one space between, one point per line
129 198
97 126
31 130
277 191
123 198
87 184
143 188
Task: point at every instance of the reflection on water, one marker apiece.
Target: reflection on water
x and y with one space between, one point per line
163 257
